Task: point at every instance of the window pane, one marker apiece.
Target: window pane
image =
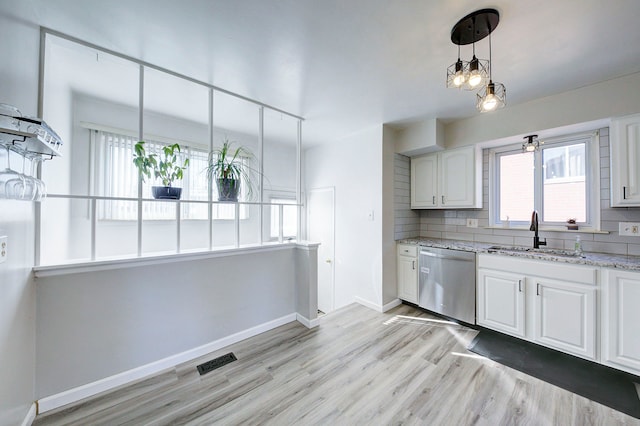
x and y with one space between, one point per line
289 218
564 183
516 186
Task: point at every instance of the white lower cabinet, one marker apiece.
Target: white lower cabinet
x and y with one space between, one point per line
565 316
407 268
621 320
549 303
501 301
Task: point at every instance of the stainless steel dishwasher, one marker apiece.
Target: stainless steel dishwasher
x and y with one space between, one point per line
448 283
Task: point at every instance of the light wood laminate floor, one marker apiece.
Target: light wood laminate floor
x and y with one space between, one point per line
359 367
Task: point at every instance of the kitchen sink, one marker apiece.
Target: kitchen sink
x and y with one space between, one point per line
531 250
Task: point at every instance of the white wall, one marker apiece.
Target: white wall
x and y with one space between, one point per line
19 87
353 165
612 98
96 324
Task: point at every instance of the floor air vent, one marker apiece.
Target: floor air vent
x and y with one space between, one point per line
208 366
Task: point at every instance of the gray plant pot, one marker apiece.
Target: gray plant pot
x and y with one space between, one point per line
166 192
228 189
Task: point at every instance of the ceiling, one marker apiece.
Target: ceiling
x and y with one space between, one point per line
345 65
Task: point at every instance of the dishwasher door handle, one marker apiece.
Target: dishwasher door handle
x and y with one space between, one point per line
440 256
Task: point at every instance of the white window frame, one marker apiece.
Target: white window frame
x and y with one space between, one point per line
100 181
282 197
592 181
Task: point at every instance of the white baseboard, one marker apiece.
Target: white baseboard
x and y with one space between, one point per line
377 307
90 389
368 304
31 415
307 322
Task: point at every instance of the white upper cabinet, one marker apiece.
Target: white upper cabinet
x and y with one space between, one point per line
625 161
448 179
425 171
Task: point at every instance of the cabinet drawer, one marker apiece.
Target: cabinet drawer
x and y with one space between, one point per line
583 274
407 250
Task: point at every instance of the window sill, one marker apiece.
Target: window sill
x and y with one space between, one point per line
102 265
551 229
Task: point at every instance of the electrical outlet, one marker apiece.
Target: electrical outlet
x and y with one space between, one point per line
631 229
4 248
472 223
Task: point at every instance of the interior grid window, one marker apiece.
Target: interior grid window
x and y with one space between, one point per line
556 180
118 177
289 214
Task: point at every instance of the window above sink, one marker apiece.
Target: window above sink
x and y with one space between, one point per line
561 181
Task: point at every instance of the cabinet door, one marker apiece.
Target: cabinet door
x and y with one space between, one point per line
408 279
620 320
501 297
456 179
424 176
625 161
565 316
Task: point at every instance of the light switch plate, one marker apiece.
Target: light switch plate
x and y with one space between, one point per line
630 229
4 248
472 223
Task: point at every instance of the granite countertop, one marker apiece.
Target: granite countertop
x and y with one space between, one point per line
603 260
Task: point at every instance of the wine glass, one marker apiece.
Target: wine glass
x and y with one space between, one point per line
15 185
40 190
10 184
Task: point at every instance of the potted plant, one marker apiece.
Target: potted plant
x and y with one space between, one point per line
165 167
571 224
229 167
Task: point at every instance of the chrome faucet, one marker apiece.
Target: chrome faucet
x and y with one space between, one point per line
534 227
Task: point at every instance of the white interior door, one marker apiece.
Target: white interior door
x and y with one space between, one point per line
321 226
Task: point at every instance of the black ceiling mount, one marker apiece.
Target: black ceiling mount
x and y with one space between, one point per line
475 26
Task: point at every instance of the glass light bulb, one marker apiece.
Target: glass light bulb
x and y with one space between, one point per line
475 78
530 147
490 102
458 80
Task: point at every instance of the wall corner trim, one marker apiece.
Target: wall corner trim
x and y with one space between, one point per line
376 307
31 415
391 305
307 322
90 389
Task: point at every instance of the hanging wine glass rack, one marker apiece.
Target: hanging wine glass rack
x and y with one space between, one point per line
29 143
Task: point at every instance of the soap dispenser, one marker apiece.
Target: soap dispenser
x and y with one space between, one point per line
577 248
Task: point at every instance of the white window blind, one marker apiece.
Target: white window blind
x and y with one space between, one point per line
117 176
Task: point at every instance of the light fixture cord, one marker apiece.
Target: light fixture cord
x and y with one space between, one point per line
474 36
490 59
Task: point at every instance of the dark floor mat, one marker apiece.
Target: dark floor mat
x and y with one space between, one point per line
599 383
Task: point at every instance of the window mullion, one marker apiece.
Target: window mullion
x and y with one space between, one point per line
538 184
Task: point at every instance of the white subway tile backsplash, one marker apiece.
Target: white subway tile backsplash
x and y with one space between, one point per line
457 236
600 247
493 239
633 249
431 234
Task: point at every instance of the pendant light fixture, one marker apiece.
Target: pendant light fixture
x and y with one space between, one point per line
469 30
494 95
457 73
532 143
